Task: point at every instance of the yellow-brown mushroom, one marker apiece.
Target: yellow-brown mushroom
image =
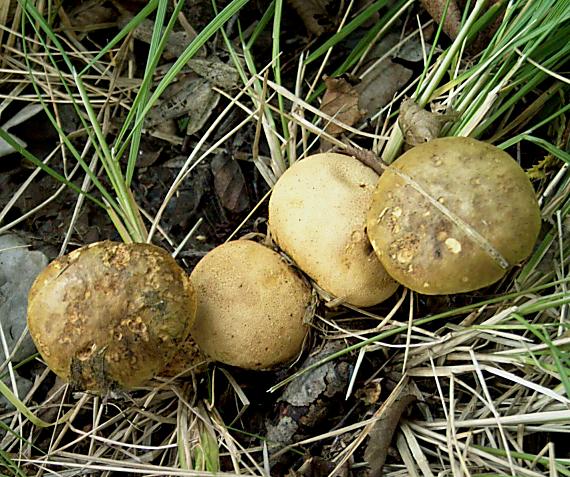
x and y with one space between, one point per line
251 306
110 315
453 215
317 215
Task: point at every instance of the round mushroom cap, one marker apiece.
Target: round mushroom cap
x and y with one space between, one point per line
317 215
110 315
251 306
453 215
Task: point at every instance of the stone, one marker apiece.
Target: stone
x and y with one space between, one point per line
18 270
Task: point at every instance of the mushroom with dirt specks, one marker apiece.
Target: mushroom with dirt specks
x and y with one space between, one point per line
110 315
453 215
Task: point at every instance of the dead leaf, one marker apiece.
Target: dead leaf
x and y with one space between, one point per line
176 43
382 433
21 116
381 80
341 102
418 125
191 96
370 393
229 183
542 167
92 15
378 89
220 74
314 14
452 20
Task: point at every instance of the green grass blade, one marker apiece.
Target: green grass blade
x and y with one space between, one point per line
531 458
9 464
23 409
514 140
132 220
362 46
130 26
111 202
346 31
56 175
230 10
555 354
32 12
157 45
276 63
261 25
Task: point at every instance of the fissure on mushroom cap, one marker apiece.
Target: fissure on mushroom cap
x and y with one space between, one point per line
110 315
317 215
452 215
251 306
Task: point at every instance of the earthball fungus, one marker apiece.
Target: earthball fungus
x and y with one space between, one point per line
110 315
453 215
317 215
251 306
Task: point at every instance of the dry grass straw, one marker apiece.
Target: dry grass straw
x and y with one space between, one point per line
491 378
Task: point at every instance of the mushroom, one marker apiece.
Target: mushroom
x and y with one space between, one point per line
453 215
110 315
251 306
317 215
188 357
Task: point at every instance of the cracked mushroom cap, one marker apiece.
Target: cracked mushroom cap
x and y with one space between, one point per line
110 315
453 215
317 215
251 306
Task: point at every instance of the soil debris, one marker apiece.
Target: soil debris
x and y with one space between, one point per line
310 400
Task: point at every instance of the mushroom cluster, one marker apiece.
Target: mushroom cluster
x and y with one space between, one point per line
449 216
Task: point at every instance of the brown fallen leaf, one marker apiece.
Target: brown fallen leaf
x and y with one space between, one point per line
341 102
229 183
452 20
315 14
383 431
191 96
378 88
176 42
418 125
92 15
370 393
383 74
